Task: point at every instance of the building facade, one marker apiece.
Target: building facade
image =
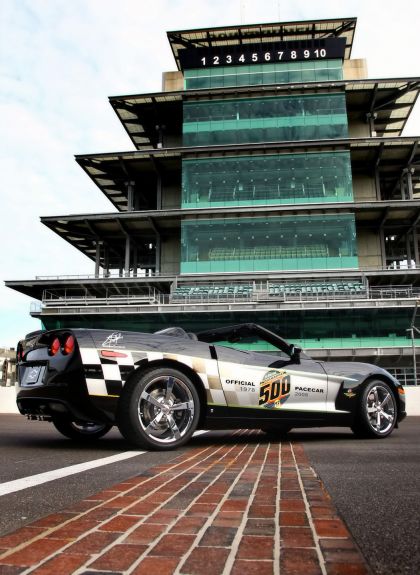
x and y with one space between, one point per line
269 183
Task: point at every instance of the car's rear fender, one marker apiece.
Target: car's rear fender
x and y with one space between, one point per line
146 365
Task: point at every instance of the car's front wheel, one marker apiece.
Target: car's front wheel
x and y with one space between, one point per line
86 431
377 411
159 409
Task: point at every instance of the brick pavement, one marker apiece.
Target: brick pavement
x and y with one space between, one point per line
237 508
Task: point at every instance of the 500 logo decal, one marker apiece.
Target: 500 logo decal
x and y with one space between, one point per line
274 389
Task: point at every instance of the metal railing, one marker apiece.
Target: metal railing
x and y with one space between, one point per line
153 297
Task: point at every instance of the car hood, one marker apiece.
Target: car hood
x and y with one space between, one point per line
354 370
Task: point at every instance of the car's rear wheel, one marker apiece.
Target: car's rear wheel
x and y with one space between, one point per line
85 430
377 411
159 410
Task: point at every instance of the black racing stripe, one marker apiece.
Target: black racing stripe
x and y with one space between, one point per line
125 371
113 387
106 361
93 371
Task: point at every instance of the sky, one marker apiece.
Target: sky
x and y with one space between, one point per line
60 60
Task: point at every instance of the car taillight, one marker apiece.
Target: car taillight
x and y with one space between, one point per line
55 346
20 353
69 344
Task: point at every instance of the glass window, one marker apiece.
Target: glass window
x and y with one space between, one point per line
258 74
261 180
247 120
265 244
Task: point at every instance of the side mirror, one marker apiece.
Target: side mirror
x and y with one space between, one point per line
295 353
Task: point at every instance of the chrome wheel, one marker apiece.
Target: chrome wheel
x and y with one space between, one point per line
377 411
159 409
380 409
166 409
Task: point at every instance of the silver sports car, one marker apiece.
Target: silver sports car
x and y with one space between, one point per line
159 388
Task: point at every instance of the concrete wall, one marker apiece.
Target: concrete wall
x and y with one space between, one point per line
171 197
358 128
172 81
369 249
363 188
170 255
8 400
355 69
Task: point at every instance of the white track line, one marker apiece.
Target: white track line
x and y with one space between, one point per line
39 478
34 480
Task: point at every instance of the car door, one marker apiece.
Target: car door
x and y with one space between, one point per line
272 382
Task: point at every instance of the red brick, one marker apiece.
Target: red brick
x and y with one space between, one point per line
163 516
210 498
119 557
293 518
235 504
121 502
292 505
145 534
324 512
92 543
290 495
262 511
99 514
305 562
188 525
208 560
256 547
9 569
17 537
330 528
120 523
228 519
172 545
150 566
296 537
241 567
201 509
346 569
61 564
33 553
215 536
260 526
72 530
54 519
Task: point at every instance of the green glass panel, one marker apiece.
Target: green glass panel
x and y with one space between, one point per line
246 120
268 244
261 180
257 74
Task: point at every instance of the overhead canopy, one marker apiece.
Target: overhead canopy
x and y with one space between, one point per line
155 120
85 231
262 34
112 172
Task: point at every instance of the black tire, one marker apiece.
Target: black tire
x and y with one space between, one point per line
87 431
377 411
278 431
159 409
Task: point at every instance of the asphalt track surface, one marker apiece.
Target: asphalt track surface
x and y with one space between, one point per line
375 485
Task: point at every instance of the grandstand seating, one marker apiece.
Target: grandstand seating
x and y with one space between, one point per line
297 289
269 252
209 292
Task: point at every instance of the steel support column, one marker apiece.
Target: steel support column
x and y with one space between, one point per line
97 258
127 256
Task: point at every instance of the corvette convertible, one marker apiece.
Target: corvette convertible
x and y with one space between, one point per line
159 388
